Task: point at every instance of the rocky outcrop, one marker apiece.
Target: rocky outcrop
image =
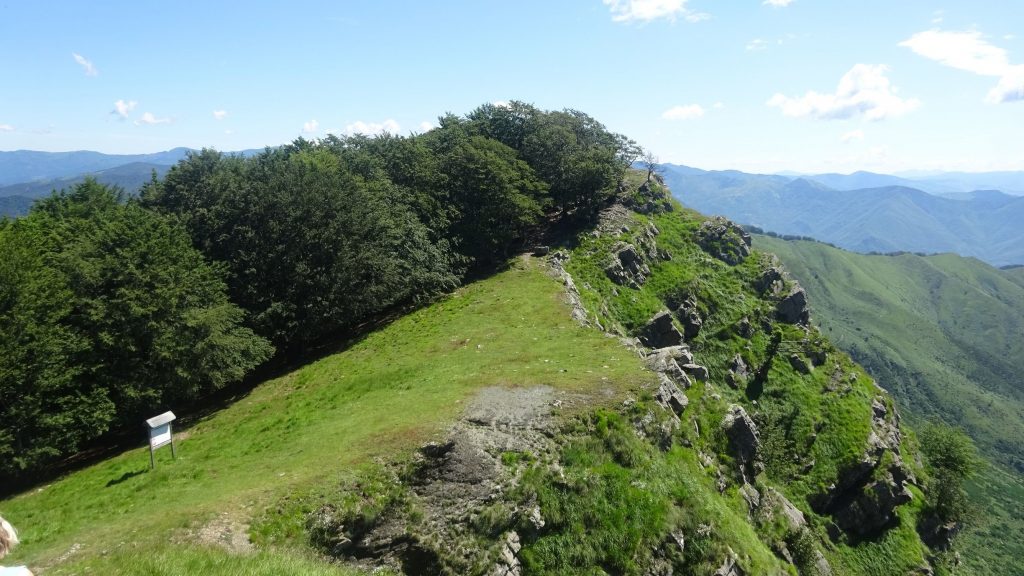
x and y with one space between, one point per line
670 361
863 500
695 371
738 372
724 240
792 309
730 566
744 440
690 319
572 294
660 332
670 396
772 281
627 267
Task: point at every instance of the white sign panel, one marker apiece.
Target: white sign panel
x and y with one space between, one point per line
160 435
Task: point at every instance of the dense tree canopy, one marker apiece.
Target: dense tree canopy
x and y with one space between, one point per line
110 309
107 312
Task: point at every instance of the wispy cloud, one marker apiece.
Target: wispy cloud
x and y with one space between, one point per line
686 112
310 127
371 128
220 114
863 91
426 126
90 70
971 52
149 119
123 107
777 3
6 128
757 44
647 10
852 135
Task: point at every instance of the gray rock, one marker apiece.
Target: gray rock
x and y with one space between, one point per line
697 371
738 372
660 332
743 439
670 396
541 250
627 267
793 308
724 240
771 281
690 320
800 364
730 566
794 517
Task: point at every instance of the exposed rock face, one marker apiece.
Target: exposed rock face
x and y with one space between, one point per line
627 267
670 396
690 319
667 361
738 372
572 294
800 364
450 483
661 332
863 501
771 281
793 308
730 566
696 371
743 439
724 240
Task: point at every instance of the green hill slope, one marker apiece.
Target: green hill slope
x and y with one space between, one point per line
383 397
943 334
493 433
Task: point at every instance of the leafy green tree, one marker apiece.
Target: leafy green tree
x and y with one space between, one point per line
951 458
107 313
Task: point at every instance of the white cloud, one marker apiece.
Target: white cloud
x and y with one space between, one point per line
220 114
149 119
863 91
501 103
90 70
971 52
938 16
371 128
310 127
122 108
426 126
757 44
852 135
6 128
229 132
687 112
647 10
777 3
718 105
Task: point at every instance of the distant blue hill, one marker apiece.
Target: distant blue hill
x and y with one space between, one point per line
985 224
28 165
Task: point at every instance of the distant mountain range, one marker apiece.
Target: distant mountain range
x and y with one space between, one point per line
941 183
985 224
27 175
28 165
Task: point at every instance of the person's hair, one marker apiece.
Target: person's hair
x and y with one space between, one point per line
8 537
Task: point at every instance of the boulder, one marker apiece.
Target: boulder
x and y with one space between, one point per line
670 396
696 371
660 332
730 566
541 250
738 372
800 364
792 309
691 321
794 518
743 439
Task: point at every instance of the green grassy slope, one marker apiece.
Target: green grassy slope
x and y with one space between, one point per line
384 396
943 333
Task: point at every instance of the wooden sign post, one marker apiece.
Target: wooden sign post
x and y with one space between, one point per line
160 435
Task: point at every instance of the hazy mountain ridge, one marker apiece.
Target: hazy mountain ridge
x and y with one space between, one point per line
981 224
29 165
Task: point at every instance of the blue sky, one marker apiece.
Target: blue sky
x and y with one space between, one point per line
804 85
